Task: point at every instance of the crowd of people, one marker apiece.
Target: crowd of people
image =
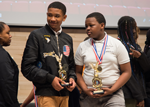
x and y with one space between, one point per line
105 71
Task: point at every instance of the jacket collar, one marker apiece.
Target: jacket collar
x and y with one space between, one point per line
52 31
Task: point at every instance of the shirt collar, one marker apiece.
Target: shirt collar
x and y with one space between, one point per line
58 32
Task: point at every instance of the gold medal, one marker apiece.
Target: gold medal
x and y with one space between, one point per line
99 68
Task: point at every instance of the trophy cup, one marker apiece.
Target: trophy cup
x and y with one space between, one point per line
62 70
97 82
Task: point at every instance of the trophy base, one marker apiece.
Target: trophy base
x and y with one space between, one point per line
98 92
66 84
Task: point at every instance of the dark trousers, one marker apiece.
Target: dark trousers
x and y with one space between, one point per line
147 102
74 98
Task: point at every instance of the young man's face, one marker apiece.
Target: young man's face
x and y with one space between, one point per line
5 37
94 29
55 17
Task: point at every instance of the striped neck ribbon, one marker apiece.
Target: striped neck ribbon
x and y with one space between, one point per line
100 58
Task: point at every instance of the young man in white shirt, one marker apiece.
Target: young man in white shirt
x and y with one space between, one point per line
113 58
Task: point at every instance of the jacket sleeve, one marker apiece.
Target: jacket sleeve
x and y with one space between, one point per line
72 63
144 61
30 58
133 83
8 86
133 86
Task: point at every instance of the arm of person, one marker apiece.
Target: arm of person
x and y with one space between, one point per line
124 77
145 64
28 99
143 60
30 59
81 82
135 53
79 60
29 63
141 104
133 84
124 65
72 86
134 88
8 86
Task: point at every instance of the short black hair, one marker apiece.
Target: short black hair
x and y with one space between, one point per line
99 17
2 26
58 5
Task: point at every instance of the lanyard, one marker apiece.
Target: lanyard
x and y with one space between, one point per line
100 58
58 45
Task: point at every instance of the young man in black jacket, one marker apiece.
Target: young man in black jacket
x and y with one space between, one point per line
52 49
8 71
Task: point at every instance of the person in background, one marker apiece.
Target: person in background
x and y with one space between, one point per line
52 49
134 89
114 56
147 74
8 71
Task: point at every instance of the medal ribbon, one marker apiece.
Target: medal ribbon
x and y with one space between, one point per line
100 58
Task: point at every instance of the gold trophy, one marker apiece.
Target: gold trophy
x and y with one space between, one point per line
97 82
62 72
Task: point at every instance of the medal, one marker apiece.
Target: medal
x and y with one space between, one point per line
99 69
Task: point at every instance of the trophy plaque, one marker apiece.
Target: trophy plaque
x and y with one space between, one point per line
97 82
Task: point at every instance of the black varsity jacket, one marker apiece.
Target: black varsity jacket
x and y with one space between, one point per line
39 47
